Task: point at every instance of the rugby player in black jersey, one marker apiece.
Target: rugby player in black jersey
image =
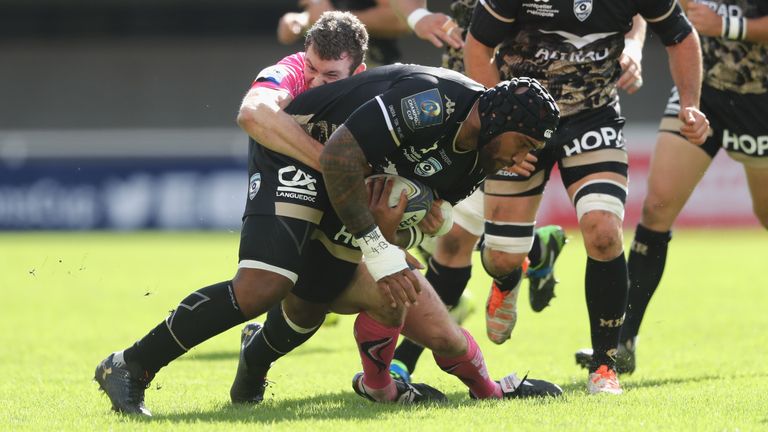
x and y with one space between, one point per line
734 40
408 119
573 48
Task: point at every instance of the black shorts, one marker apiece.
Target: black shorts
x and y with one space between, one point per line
737 122
292 247
585 143
290 228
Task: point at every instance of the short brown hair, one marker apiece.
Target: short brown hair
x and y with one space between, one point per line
336 34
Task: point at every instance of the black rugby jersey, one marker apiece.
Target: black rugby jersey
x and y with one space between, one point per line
571 46
405 118
737 66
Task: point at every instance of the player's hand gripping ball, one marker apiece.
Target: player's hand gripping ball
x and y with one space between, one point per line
420 198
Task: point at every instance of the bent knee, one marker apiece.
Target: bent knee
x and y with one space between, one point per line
257 291
603 238
498 263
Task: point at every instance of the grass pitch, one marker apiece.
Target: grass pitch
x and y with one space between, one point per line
69 299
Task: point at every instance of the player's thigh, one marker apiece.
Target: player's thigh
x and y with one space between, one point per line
677 166
270 260
363 294
325 273
757 178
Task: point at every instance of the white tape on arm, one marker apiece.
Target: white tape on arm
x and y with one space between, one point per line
633 48
381 257
415 16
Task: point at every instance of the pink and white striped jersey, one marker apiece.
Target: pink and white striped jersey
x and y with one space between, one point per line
287 75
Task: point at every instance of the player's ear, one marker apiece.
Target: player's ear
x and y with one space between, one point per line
360 68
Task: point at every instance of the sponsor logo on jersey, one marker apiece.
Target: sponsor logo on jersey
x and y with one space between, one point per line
582 9
254 186
723 10
449 107
428 167
414 155
422 110
296 184
345 237
747 144
275 74
444 157
540 8
592 140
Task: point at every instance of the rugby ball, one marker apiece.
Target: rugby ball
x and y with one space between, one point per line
420 198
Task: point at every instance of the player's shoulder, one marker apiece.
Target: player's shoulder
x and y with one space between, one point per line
288 67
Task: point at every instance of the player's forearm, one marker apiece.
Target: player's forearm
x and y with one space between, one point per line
478 62
277 131
757 29
344 167
686 69
382 21
405 7
637 32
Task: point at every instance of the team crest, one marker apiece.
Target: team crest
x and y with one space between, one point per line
428 167
422 109
582 9
254 186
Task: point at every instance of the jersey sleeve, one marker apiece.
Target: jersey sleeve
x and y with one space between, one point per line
492 20
666 19
411 111
287 75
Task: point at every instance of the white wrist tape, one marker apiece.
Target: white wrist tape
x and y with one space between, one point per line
734 28
633 48
381 257
416 236
415 16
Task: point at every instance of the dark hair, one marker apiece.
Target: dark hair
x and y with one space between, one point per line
519 105
337 34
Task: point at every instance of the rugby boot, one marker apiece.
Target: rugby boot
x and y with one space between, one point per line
124 383
501 313
246 388
604 380
407 393
513 387
541 278
625 357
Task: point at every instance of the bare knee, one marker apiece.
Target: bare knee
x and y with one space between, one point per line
447 342
387 315
303 313
256 291
498 263
658 214
602 235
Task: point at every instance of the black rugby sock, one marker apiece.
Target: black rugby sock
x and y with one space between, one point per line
200 316
276 339
647 257
534 255
408 352
449 283
606 286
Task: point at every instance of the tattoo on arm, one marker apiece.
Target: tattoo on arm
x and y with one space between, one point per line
344 166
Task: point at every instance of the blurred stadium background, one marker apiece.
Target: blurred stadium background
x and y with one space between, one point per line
119 114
